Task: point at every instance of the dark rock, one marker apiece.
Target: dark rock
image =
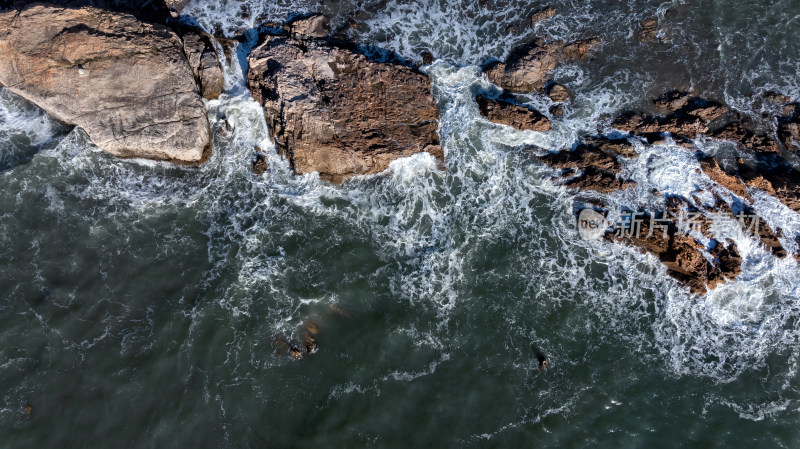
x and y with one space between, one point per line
514 115
789 127
333 110
582 157
613 146
648 31
557 110
673 100
728 258
599 180
427 57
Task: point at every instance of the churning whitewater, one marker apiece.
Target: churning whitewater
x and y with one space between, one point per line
156 292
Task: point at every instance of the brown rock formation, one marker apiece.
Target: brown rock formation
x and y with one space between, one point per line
648 30
689 116
613 146
789 127
332 110
737 132
581 158
315 26
514 115
527 68
542 14
205 66
125 82
599 180
777 178
733 183
597 167
684 257
558 93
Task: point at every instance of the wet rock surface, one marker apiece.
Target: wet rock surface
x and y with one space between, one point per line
125 82
505 112
333 110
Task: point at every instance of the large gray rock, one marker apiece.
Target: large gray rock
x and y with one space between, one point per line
125 82
332 110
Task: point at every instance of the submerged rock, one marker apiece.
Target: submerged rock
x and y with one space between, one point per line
528 67
259 163
514 115
333 110
125 82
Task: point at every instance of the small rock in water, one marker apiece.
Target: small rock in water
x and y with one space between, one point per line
294 352
259 163
315 26
542 363
427 58
341 310
224 128
309 342
558 93
542 14
28 411
507 113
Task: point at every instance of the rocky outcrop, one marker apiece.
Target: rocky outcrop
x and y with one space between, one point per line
542 14
789 127
558 93
613 146
737 132
202 56
507 113
712 169
528 67
314 26
333 110
125 82
588 167
687 117
693 264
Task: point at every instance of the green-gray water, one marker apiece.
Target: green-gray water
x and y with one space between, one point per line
140 301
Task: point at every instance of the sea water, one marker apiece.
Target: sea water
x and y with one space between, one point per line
140 301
